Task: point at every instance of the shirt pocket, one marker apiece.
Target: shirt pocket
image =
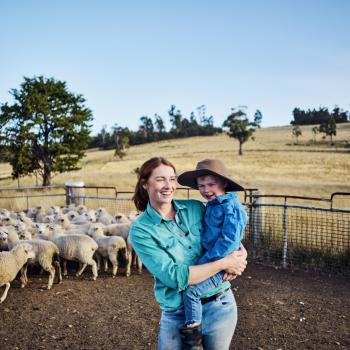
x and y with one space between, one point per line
196 228
173 248
215 217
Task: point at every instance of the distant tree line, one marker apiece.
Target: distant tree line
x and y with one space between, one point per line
322 115
153 129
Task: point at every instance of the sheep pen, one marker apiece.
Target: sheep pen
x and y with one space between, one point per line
277 308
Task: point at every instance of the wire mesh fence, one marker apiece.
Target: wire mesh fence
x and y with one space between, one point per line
282 234
291 235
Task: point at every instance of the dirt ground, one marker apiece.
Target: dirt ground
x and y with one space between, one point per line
278 309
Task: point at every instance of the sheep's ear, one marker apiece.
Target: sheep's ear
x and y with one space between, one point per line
118 216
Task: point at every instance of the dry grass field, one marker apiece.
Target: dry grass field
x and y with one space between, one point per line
272 163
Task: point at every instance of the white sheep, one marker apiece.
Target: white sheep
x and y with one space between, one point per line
46 255
83 219
5 212
49 219
132 215
108 247
120 218
72 228
11 263
54 211
132 259
40 214
71 215
3 239
68 208
31 213
104 217
79 248
24 218
121 230
81 208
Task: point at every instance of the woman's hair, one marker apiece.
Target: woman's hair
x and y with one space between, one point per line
140 197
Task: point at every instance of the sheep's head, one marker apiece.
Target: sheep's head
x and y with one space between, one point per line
81 209
101 211
48 219
24 235
26 249
7 221
3 235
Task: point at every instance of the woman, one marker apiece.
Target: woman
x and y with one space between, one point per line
167 239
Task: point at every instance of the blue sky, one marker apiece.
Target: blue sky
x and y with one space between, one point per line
134 58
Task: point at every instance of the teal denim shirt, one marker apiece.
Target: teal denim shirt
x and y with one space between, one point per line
168 247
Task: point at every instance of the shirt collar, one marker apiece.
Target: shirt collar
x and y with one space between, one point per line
156 217
220 199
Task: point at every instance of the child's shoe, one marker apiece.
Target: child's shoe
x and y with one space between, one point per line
191 337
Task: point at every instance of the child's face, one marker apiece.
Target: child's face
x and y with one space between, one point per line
210 187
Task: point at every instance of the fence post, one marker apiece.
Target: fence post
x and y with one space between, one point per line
256 218
75 192
285 237
27 195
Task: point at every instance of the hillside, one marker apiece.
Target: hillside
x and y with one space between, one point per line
271 163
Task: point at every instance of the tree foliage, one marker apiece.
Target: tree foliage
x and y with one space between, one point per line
329 128
151 130
240 127
296 132
322 115
46 130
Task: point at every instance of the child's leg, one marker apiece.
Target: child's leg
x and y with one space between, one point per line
192 301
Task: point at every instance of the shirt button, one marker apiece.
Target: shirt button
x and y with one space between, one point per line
189 247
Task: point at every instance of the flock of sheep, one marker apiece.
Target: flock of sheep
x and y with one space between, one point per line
61 234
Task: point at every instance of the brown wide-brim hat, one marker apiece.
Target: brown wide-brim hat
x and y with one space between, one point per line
212 167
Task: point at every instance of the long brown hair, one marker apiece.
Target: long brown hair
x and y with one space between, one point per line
140 197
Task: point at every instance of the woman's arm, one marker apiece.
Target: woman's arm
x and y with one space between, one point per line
175 275
234 263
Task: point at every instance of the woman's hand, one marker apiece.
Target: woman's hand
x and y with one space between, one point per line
236 262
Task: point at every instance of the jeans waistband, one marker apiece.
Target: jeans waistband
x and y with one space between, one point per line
213 297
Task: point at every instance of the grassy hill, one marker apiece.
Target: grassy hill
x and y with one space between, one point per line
272 163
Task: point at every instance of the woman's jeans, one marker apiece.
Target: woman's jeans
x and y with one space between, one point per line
192 297
218 325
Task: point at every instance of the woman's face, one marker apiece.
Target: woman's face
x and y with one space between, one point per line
161 185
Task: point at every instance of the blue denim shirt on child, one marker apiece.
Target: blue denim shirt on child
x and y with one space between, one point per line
223 227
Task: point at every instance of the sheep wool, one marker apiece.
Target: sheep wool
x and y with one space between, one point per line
11 263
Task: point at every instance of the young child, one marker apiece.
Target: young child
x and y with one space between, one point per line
223 226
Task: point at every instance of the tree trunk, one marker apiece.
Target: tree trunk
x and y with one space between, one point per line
47 176
240 152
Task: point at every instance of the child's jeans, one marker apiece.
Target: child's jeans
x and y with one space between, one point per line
192 297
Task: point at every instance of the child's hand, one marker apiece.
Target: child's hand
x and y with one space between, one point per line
229 276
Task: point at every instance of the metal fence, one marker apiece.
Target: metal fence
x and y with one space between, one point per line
298 235
284 234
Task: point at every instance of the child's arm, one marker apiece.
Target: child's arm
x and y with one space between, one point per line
235 219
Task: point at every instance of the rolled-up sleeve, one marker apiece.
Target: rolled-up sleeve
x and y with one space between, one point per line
157 260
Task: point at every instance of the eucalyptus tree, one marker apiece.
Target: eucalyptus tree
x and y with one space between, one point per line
296 132
240 127
46 130
329 128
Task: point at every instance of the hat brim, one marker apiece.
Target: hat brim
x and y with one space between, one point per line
188 179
